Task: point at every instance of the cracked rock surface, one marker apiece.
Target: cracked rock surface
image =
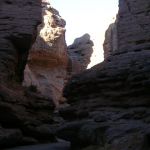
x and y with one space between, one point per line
133 22
25 117
109 103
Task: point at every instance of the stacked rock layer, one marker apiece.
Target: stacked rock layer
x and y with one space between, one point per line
48 60
25 117
109 103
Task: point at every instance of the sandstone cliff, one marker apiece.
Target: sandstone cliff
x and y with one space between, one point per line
48 60
109 103
25 117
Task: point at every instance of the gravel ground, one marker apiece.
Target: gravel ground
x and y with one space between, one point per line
60 145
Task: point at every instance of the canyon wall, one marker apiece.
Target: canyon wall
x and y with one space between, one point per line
133 24
121 34
48 60
50 63
109 103
18 33
25 117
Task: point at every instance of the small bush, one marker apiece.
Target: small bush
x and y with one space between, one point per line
33 88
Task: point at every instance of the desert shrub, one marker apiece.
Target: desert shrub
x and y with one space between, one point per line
146 119
32 88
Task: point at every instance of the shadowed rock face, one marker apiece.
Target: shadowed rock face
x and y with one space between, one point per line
17 34
109 103
80 52
130 28
110 44
25 117
85 52
47 62
133 22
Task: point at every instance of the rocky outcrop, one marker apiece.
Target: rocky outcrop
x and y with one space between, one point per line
133 22
79 53
18 33
109 103
47 61
130 27
25 117
110 44
85 52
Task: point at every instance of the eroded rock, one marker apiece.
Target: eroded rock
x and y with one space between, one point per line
80 53
115 95
25 117
48 60
110 44
133 22
85 52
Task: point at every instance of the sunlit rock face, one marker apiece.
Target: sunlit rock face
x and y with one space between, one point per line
48 60
109 103
25 117
110 44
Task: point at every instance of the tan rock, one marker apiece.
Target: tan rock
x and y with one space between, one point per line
47 59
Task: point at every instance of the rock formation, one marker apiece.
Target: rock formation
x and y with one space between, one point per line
48 60
25 117
80 52
130 27
110 44
134 23
109 103
85 52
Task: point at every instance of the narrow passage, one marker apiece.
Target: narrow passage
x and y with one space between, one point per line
60 145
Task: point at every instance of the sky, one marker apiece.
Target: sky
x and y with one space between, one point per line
85 16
